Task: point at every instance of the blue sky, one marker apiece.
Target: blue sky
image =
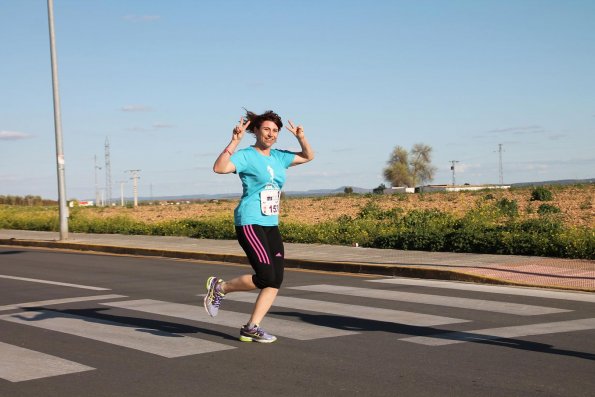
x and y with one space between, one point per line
166 81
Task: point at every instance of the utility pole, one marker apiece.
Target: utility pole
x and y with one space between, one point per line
108 174
96 183
500 164
452 168
135 178
121 192
63 212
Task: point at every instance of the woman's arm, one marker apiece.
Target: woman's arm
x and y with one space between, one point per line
223 164
307 154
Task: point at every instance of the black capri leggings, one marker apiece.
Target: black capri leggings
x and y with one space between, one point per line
264 247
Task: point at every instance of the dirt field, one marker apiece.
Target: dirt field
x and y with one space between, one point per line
575 202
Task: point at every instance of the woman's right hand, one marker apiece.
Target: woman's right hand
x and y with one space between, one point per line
240 129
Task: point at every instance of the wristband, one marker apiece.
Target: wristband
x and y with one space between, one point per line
228 151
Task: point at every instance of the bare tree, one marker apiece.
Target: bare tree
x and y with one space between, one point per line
421 166
409 169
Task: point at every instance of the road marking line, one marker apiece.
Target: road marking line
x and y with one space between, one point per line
464 303
59 301
504 332
152 341
347 310
34 280
18 364
492 289
289 329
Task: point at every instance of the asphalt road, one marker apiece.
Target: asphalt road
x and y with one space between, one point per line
88 325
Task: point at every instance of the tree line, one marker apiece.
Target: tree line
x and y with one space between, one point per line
28 200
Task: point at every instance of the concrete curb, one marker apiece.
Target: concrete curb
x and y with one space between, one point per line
345 267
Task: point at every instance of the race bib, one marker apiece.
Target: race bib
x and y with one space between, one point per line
270 200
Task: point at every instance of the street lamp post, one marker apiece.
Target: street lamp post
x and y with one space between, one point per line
58 129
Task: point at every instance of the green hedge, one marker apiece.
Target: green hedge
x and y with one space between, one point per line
492 227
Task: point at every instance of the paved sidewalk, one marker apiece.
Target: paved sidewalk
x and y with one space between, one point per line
496 269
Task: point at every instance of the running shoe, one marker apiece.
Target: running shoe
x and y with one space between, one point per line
255 334
214 296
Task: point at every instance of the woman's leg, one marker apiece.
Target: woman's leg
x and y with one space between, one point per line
265 251
263 303
241 283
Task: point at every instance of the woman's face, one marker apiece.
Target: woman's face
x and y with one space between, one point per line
267 134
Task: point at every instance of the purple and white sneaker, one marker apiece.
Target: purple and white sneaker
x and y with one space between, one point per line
255 334
214 296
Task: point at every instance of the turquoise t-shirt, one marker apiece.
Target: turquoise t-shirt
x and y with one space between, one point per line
259 173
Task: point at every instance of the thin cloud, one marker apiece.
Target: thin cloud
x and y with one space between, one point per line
556 137
136 108
466 167
13 135
154 127
343 150
137 129
142 18
522 130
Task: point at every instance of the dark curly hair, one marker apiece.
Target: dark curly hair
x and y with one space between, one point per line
256 120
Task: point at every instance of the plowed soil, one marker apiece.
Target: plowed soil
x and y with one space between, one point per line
575 203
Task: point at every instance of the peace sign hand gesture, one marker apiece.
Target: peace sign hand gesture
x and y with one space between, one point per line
298 131
240 129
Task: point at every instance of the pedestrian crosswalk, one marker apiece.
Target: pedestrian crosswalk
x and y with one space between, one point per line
350 310
19 364
504 332
464 303
293 317
152 341
285 328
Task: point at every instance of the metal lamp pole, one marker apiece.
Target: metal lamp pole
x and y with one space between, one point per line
58 129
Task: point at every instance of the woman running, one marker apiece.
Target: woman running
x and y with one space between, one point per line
262 172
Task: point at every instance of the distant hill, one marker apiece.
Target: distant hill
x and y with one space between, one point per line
324 192
339 190
557 182
315 192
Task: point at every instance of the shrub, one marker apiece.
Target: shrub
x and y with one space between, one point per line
540 193
545 209
418 230
508 207
379 189
586 205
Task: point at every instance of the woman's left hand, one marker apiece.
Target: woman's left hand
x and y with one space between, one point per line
298 131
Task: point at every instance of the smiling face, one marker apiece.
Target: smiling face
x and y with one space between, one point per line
266 135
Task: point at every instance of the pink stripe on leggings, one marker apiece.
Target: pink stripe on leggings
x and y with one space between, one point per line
256 244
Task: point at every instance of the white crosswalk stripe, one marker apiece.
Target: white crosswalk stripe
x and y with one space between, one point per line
18 364
52 302
355 311
438 300
35 280
146 340
288 329
504 332
492 289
